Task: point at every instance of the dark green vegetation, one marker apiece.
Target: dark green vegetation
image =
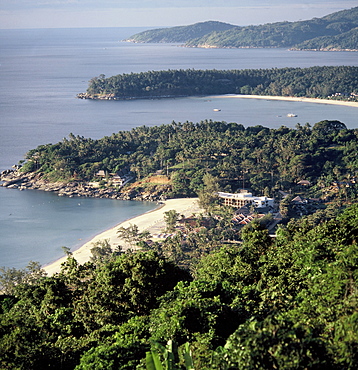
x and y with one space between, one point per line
314 82
283 303
233 298
346 41
265 160
180 34
335 31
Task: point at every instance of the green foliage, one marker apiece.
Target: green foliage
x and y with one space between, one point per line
102 251
275 343
200 308
121 350
10 278
208 156
181 33
131 235
208 197
132 283
6 303
300 34
343 41
225 265
170 356
171 217
317 82
288 303
336 31
324 128
58 319
256 241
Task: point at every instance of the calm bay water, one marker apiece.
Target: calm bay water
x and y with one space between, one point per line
42 71
35 225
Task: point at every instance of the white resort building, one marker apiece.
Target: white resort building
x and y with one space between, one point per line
245 198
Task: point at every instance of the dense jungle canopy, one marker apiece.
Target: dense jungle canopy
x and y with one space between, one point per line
314 82
263 159
285 303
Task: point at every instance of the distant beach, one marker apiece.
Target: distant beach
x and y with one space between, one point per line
291 98
152 221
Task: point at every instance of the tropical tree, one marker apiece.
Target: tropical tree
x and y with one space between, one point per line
131 234
171 217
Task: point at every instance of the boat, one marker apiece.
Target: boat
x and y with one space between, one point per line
292 115
216 110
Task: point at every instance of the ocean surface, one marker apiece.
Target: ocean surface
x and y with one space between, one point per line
41 72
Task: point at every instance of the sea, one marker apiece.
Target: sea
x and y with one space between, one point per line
42 70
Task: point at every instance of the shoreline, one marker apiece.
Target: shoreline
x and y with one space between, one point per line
152 221
291 98
267 97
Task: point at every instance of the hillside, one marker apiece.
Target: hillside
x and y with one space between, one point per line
334 31
180 34
222 295
268 159
288 302
345 41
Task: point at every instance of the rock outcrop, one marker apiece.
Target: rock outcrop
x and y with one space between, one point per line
14 179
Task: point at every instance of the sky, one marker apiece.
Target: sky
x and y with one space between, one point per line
159 13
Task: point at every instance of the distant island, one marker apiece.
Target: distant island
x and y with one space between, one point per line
335 32
328 82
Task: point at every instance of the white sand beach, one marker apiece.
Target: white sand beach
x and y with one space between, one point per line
152 221
289 98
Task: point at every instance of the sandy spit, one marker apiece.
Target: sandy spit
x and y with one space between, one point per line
152 221
289 98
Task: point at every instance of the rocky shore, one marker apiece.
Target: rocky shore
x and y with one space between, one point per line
14 179
101 97
114 97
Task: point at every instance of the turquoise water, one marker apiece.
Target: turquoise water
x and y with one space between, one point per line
41 73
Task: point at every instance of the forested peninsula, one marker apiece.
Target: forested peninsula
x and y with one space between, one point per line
336 31
212 296
216 293
172 161
327 82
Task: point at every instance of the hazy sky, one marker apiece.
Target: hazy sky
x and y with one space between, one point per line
159 13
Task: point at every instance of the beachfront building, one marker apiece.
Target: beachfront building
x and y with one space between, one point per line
245 198
120 178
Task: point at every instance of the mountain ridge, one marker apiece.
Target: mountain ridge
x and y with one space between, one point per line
335 31
180 34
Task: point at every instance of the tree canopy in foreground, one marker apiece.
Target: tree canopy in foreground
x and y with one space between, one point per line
286 303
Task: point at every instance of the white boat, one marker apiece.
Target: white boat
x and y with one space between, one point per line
292 115
216 110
